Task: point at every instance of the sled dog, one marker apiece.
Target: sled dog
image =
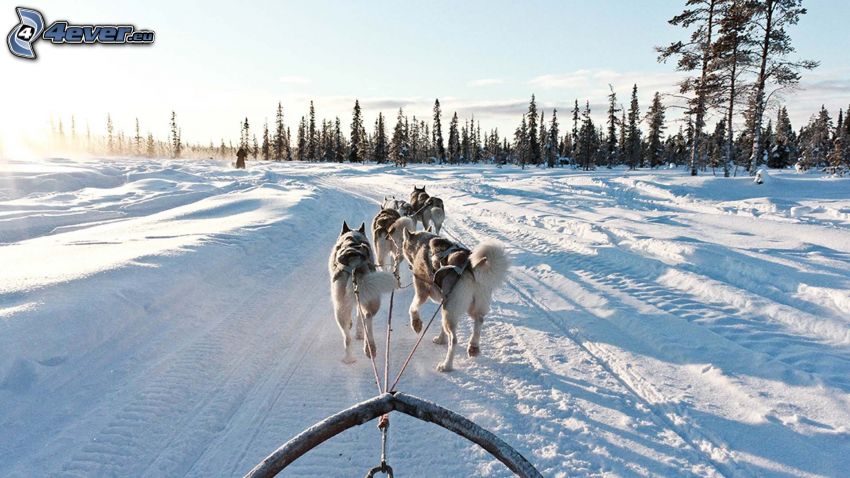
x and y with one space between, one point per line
466 279
403 207
352 263
387 227
427 209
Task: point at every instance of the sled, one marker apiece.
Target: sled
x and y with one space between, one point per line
382 405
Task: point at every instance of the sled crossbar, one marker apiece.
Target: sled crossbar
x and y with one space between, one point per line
383 404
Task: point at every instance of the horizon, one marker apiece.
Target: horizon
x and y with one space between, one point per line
478 72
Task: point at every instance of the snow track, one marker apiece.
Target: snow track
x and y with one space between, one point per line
172 319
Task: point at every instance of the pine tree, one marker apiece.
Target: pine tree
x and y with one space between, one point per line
454 141
312 138
533 141
521 142
576 112
772 18
110 144
137 138
694 55
399 146
301 153
358 142
339 145
611 151
381 152
633 142
176 143
655 118
784 148
266 148
278 151
150 147
552 141
437 132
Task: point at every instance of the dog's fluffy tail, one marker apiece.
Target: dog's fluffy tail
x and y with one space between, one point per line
489 264
374 284
438 215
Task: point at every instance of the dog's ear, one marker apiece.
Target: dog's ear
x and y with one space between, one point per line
345 228
362 228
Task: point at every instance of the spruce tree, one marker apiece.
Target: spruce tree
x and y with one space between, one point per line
357 153
110 144
278 151
533 140
437 132
301 153
552 141
454 140
655 118
266 148
611 151
633 153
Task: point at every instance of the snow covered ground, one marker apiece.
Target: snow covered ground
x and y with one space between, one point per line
171 318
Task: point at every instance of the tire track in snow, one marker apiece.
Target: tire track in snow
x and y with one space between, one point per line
712 452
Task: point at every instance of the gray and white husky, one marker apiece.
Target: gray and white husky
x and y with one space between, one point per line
351 261
387 227
442 268
403 207
427 209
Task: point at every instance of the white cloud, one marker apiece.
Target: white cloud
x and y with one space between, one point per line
484 82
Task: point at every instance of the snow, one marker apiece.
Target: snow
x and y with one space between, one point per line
172 318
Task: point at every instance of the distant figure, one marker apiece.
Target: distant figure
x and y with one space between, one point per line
760 174
240 157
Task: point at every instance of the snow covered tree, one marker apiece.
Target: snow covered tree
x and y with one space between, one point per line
110 144
137 139
312 137
775 68
255 148
815 140
784 152
301 153
576 112
694 56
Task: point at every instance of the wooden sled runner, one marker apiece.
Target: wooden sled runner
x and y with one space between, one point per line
382 405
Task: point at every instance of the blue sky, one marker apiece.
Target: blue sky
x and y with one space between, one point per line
215 62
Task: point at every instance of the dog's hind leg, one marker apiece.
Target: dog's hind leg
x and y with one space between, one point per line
421 292
450 331
369 311
342 313
474 347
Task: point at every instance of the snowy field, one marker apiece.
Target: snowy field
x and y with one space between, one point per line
172 318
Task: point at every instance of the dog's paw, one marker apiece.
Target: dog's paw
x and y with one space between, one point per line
369 350
473 350
416 324
439 339
444 367
348 359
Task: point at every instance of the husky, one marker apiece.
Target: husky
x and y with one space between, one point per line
351 264
387 228
428 210
402 207
460 279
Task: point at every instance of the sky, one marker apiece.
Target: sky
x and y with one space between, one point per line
217 62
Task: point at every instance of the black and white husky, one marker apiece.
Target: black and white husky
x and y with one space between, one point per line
427 209
352 263
442 268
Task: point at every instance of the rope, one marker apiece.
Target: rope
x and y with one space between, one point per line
416 345
372 353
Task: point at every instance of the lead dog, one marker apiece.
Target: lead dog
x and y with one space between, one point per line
427 209
466 279
351 262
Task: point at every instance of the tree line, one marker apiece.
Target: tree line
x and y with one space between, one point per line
737 56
